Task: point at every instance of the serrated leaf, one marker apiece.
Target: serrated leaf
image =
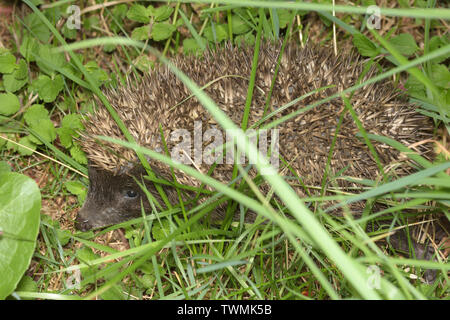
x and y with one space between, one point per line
65 136
28 47
78 154
141 33
96 72
37 27
45 129
9 104
144 63
162 31
415 87
27 142
138 13
4 166
216 34
72 121
18 78
75 187
12 84
239 26
27 284
35 113
49 60
163 13
365 47
48 89
404 43
191 46
7 63
440 75
284 17
20 204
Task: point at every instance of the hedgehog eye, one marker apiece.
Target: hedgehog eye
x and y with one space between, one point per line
131 194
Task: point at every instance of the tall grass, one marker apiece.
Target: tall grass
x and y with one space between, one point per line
310 255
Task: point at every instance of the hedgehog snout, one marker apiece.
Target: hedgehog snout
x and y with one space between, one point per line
82 224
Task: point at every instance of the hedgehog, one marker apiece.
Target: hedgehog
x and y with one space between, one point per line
158 106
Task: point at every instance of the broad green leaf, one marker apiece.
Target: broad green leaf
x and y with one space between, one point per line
239 26
191 46
163 13
17 79
365 47
7 62
37 27
138 13
162 31
404 43
49 60
141 33
45 129
20 204
216 34
35 113
48 89
9 104
78 154
27 142
28 47
440 75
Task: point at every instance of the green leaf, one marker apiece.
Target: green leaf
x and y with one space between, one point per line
365 47
218 34
96 72
191 46
35 113
7 62
20 204
12 84
162 31
27 284
45 129
48 89
144 63
72 121
284 16
4 166
239 26
28 47
69 33
141 33
75 187
415 87
440 75
16 80
113 293
50 60
246 39
404 43
37 27
65 136
138 13
9 104
163 13
78 154
27 142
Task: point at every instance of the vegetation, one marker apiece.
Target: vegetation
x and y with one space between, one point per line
51 67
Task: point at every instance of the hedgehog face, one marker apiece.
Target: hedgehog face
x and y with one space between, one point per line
111 199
